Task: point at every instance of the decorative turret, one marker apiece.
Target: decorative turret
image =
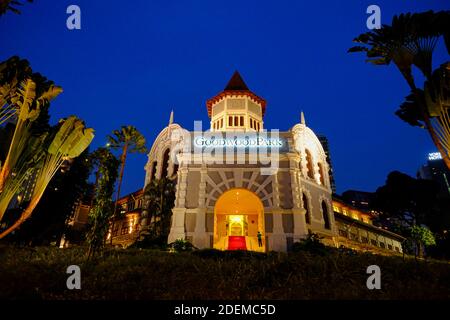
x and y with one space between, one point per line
236 108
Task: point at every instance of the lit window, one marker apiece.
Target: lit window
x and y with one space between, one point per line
322 174
309 164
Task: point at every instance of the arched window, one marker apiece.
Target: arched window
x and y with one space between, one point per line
306 207
165 164
309 164
322 174
326 217
153 170
175 165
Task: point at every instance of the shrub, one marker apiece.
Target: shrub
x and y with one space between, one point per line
311 244
151 242
181 245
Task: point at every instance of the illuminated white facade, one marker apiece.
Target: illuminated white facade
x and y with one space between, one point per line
240 199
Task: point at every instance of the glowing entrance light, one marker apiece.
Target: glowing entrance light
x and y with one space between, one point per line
236 219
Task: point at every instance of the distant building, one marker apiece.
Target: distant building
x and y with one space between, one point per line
436 170
358 199
324 141
357 231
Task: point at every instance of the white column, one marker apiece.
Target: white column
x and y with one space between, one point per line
200 237
277 241
177 230
300 229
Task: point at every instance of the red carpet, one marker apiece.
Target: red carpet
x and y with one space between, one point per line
236 243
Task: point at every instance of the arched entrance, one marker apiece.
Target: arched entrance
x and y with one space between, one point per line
238 217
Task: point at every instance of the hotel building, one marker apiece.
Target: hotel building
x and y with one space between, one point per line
275 187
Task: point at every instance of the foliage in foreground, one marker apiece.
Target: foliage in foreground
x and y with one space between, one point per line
40 273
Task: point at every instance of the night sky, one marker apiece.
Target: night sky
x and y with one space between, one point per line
133 63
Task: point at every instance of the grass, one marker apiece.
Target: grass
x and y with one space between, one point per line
40 273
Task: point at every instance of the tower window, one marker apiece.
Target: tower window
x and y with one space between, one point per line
309 164
241 118
326 217
165 164
230 121
236 121
322 174
306 207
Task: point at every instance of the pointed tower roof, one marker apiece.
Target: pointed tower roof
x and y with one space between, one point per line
236 83
236 86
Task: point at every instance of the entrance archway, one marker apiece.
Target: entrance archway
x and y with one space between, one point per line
238 217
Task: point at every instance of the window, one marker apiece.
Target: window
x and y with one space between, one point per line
326 217
336 209
230 121
354 236
241 119
390 246
322 174
397 249
153 170
343 233
382 245
373 242
364 240
130 205
221 123
175 164
124 229
236 121
165 168
309 164
306 207
116 230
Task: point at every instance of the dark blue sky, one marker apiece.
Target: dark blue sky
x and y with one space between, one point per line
132 63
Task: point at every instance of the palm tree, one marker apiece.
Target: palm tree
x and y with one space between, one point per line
159 199
42 158
410 41
6 5
129 140
102 206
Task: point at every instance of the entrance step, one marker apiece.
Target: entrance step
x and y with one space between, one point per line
236 243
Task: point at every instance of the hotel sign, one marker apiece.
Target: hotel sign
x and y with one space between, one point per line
241 141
